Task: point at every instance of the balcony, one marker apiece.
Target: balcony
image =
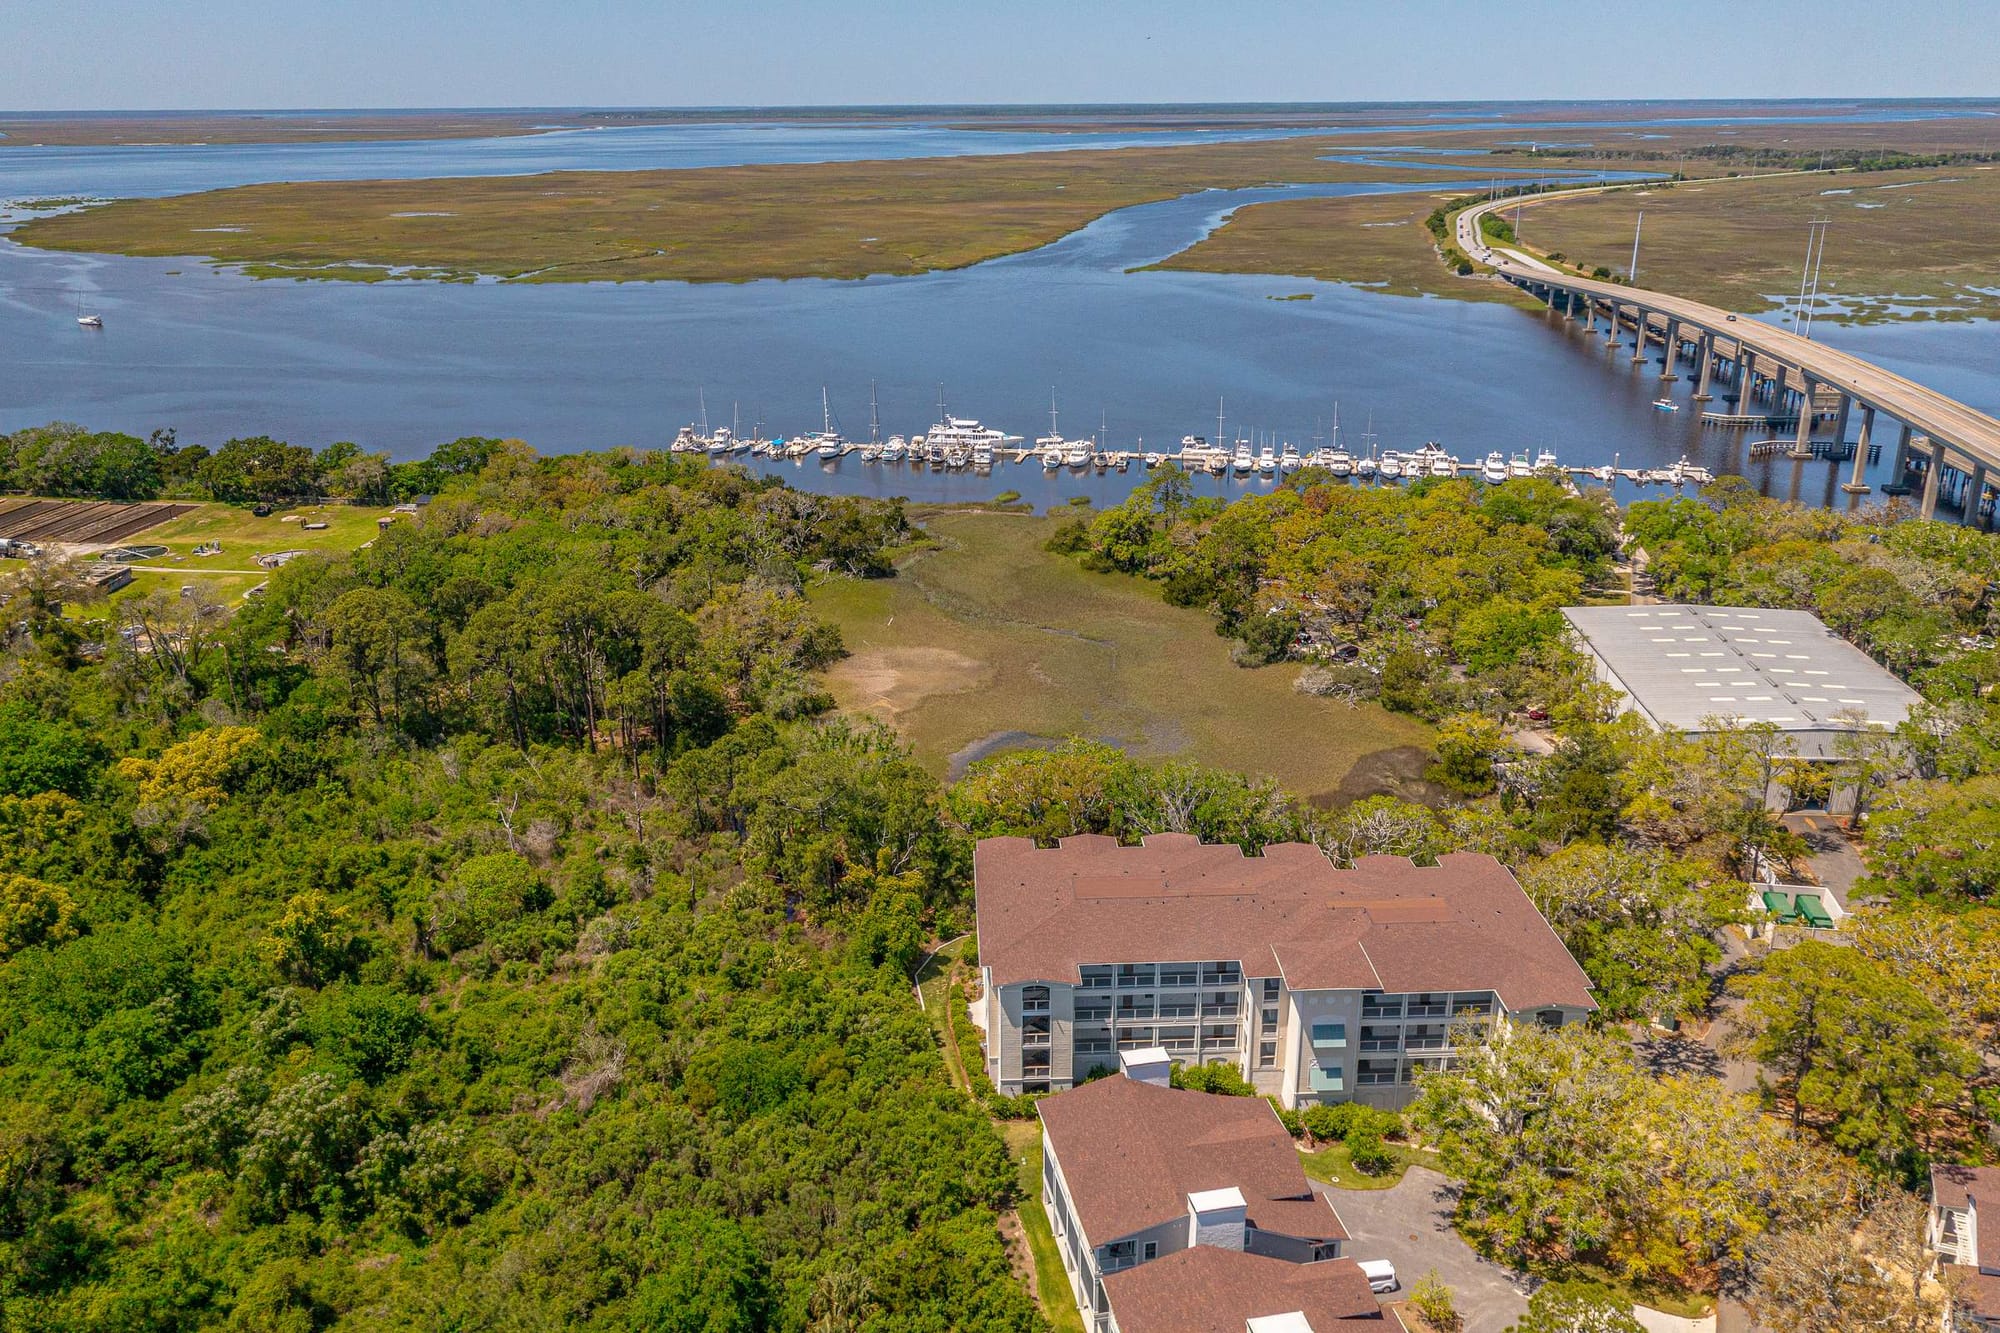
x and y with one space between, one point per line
1427 1010
1176 1011
1374 1012
1213 1011
1183 977
1415 1042
1034 1006
1093 1015
1029 1040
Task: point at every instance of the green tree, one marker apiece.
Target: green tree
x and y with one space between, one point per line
1467 744
1641 923
33 912
1857 1049
1575 1307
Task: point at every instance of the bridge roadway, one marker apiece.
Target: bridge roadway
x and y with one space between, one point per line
1957 446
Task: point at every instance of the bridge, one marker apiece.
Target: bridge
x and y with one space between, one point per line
1768 374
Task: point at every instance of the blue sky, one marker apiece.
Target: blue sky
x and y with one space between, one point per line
374 53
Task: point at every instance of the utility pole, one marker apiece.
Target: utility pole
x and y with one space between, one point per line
1812 301
1632 274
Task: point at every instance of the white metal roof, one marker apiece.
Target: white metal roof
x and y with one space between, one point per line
1682 664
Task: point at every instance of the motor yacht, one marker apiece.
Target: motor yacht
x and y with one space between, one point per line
1494 469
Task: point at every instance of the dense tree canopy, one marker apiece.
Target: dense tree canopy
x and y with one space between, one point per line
490 929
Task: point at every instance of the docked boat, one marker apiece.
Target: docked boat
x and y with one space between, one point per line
1607 474
1665 405
1340 463
1519 466
1289 459
1051 445
1389 465
1494 469
1546 461
1243 461
895 449
686 442
1366 467
1153 460
966 435
1076 453
1267 461
871 453
1432 461
722 441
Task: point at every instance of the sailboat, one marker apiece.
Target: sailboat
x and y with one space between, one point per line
872 450
1051 445
1339 461
829 443
88 321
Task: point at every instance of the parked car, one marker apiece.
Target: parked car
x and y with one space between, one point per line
1381 1275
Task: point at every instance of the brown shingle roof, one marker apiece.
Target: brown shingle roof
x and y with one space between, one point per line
1207 1290
1132 1152
1463 924
1953 1186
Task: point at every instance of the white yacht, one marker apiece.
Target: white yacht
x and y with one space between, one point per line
1339 462
1431 461
1153 458
1076 453
687 442
1607 474
1267 461
1243 461
722 441
1546 461
1390 464
827 443
1519 466
91 321
1494 469
895 449
1289 459
966 435
1052 451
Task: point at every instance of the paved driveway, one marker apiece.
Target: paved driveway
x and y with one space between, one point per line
1410 1226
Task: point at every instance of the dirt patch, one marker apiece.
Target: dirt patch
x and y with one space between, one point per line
1019 1257
1393 772
890 681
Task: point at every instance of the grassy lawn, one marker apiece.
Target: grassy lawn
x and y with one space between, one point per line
1924 237
988 641
1378 241
1024 1140
1333 1165
234 570
722 224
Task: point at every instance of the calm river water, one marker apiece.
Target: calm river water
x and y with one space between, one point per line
401 366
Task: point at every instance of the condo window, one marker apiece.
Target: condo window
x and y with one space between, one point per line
1149 1251
1271 987
1270 1020
1328 1078
1329 1034
1135 974
1267 1054
1177 974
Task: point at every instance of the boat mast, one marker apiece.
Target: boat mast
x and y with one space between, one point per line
702 397
874 419
1219 440
1336 423
825 413
1052 409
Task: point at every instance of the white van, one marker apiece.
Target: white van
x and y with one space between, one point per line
1381 1275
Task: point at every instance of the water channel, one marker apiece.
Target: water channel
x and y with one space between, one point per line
1143 355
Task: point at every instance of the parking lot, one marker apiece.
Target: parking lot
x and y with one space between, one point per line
1410 1225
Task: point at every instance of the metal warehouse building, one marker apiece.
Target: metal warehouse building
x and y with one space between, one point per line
1679 665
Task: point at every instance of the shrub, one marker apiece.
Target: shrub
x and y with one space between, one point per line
1431 1299
1366 1150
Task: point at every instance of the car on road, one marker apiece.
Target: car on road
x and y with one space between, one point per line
1381 1275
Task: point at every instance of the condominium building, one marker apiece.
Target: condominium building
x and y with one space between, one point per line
1965 1233
1318 984
1183 1212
